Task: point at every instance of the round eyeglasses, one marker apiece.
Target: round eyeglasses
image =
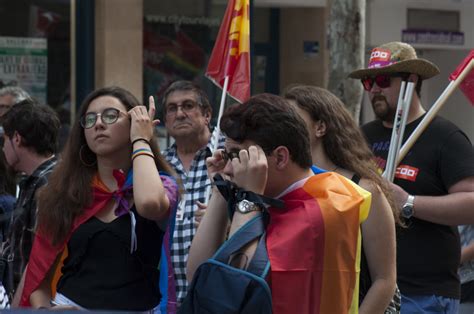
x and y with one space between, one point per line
108 116
186 107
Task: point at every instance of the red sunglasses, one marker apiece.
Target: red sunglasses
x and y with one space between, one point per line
382 80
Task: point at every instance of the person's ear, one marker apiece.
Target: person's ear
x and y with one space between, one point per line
320 128
282 156
207 116
413 78
16 138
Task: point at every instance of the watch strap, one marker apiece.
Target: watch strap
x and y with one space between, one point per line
410 200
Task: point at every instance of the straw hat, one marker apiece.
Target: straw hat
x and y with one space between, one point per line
396 57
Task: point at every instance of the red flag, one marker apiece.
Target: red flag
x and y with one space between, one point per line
231 54
467 85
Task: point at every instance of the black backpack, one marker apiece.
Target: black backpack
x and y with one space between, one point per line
218 288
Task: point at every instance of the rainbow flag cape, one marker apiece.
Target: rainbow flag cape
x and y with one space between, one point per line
314 246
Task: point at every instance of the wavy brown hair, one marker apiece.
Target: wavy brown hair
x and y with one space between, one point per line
69 186
343 142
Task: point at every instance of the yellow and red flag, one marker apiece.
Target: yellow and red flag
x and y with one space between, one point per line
231 54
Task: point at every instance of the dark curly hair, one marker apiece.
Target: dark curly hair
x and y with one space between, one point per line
269 121
37 124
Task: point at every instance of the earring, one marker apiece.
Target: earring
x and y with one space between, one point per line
90 164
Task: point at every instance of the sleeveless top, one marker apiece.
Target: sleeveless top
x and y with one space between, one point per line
365 281
101 273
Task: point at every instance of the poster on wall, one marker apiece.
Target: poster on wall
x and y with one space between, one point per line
24 63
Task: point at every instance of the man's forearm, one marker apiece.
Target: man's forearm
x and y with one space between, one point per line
452 209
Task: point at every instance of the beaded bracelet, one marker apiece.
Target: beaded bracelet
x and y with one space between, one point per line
140 139
144 154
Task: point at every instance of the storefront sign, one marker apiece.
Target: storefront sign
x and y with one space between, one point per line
433 37
24 62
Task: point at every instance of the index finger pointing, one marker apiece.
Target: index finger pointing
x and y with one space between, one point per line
151 107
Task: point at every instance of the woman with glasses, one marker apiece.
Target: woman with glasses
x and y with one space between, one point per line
106 208
337 145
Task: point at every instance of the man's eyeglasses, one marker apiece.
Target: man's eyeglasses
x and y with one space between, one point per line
186 107
108 116
4 106
382 80
226 156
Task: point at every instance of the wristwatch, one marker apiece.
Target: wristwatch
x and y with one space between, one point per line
407 209
245 207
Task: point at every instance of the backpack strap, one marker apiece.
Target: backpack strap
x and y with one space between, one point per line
252 230
260 263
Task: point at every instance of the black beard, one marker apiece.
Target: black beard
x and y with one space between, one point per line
388 114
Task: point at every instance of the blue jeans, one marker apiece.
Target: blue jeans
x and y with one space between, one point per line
428 304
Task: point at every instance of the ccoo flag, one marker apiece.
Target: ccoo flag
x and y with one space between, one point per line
231 54
467 85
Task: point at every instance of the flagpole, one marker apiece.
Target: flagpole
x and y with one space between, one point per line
394 138
434 110
217 131
406 109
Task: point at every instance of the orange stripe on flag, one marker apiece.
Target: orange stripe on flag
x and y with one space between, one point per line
343 205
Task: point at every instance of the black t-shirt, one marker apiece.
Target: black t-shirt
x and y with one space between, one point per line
100 272
428 254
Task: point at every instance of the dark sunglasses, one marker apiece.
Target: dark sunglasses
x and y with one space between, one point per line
108 116
382 80
226 156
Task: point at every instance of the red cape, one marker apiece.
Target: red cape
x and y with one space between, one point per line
43 253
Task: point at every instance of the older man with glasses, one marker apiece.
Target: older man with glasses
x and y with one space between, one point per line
433 185
187 117
9 96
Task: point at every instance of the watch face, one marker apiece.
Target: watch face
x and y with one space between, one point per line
407 211
245 206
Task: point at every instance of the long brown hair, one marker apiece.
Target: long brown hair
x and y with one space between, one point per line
343 142
69 186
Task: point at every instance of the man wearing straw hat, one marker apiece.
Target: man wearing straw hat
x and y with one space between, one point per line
433 184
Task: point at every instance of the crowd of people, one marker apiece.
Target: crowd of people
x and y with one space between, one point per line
114 222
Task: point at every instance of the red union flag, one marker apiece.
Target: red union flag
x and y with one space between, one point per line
467 85
231 54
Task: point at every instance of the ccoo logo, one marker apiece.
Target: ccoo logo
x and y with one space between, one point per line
380 55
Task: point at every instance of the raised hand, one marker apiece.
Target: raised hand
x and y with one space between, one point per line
142 123
250 169
215 164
